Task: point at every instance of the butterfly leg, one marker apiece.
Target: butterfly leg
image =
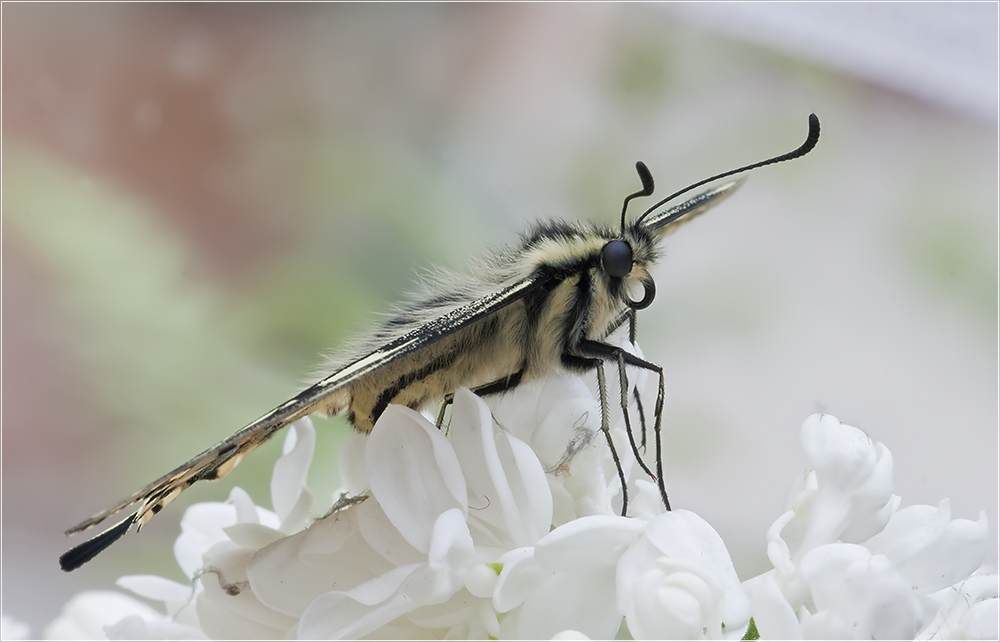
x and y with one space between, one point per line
444 406
630 316
597 363
642 419
499 386
632 320
605 351
623 384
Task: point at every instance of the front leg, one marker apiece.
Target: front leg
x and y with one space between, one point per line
603 351
630 316
580 362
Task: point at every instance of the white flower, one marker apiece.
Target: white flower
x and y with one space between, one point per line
422 554
100 615
671 577
509 528
397 562
207 540
419 508
848 564
969 610
678 582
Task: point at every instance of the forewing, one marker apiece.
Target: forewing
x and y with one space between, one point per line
218 460
667 221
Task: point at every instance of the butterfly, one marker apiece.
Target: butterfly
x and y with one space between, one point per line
548 303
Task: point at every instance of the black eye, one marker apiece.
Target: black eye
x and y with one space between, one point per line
617 258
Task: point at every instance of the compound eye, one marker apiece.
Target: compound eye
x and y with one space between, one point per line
617 258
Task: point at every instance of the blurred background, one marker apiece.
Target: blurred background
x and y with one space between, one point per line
199 200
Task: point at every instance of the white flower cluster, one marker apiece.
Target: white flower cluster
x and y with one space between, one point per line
507 528
849 565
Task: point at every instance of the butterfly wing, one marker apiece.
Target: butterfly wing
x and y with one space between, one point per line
667 221
219 460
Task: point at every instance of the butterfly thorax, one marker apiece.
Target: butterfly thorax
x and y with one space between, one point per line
526 340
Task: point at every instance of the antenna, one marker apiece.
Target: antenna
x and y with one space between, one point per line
802 150
647 188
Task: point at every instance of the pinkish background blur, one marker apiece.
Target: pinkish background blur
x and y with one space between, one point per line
200 199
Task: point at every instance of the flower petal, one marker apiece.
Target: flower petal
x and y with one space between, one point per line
246 511
580 600
568 425
825 626
982 621
522 412
959 551
228 607
529 487
931 550
332 554
862 590
360 611
871 500
661 610
481 580
448 560
288 481
966 610
681 533
87 614
680 559
134 627
252 536
414 473
910 530
597 540
840 454
378 532
457 610
518 580
518 410
203 526
477 449
772 614
351 464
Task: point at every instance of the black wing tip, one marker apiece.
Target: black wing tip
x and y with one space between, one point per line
83 553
